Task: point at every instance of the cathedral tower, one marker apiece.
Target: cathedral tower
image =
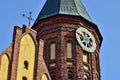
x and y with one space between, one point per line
63 44
71 40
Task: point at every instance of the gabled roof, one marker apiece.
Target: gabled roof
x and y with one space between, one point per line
65 7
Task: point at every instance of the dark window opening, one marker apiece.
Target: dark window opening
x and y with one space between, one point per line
53 76
26 65
24 78
70 75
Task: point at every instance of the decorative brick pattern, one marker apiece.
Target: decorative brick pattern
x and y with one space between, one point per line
60 29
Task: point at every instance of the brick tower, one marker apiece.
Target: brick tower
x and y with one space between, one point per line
63 44
71 40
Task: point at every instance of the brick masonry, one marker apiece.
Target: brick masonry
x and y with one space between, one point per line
58 29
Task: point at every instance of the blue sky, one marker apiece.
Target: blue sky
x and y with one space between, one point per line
105 13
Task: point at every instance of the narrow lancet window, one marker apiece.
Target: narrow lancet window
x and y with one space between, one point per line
69 50
52 51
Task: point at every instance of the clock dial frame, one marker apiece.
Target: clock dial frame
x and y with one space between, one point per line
85 39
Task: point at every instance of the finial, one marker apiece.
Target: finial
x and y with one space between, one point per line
29 18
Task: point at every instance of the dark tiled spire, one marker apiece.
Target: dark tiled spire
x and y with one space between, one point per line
65 7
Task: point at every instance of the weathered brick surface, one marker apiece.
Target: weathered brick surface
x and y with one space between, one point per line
61 29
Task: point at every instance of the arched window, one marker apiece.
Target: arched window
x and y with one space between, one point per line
53 76
52 51
26 64
70 75
24 78
69 50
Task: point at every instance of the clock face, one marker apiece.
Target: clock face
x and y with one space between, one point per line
85 39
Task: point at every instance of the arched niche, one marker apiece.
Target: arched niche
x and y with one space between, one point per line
44 77
4 67
26 57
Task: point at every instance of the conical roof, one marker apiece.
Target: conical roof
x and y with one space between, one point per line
65 7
